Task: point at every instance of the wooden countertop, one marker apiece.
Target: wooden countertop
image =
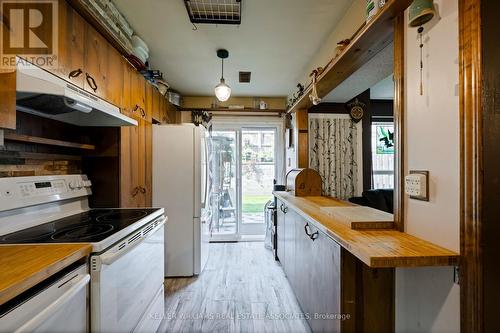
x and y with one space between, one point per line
376 248
23 266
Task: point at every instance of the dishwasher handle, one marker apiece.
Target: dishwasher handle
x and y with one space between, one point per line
40 318
109 258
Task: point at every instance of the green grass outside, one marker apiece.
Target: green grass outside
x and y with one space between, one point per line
255 203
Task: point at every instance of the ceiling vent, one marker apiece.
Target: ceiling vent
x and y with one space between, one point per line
214 11
245 77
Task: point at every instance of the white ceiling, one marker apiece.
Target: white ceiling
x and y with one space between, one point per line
275 41
377 69
384 89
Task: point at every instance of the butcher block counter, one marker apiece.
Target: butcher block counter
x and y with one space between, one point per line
375 248
24 266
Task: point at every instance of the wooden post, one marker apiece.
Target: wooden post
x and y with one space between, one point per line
302 138
399 113
471 167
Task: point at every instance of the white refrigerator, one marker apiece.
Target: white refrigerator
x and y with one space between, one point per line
181 185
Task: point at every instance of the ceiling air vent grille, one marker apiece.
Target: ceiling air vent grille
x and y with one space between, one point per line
245 77
214 11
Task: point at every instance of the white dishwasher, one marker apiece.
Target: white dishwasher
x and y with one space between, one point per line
59 304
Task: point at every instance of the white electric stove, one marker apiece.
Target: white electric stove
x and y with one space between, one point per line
127 263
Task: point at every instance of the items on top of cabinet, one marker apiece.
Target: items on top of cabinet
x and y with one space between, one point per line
108 16
140 49
304 182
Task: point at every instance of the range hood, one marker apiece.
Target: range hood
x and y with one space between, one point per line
44 94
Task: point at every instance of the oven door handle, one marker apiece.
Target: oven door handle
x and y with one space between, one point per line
109 258
40 318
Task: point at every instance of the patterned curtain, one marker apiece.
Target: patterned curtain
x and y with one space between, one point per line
333 153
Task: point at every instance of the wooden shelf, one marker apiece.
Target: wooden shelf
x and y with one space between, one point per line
375 248
371 39
44 141
233 110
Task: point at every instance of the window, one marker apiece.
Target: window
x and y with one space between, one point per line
383 154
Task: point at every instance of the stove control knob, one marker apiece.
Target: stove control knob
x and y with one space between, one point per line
72 185
87 183
80 184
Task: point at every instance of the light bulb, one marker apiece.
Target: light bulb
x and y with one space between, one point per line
222 91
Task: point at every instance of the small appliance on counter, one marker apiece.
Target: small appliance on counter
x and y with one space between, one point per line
126 263
304 182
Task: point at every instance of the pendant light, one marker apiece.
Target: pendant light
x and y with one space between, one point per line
419 13
222 90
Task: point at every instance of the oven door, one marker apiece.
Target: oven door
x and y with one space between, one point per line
58 307
126 279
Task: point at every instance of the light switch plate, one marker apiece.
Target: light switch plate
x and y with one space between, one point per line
417 185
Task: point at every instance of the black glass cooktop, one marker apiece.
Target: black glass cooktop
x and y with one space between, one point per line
91 226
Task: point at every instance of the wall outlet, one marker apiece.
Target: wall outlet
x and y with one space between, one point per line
417 185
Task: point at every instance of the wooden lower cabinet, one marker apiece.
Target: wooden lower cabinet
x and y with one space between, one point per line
336 291
136 165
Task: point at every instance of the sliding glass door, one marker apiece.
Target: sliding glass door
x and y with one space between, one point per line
245 162
258 170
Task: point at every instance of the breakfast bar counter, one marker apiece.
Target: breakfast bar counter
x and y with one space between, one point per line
375 248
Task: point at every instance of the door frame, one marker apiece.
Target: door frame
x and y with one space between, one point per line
472 112
237 124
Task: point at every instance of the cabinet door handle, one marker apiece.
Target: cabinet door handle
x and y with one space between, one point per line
91 82
143 113
135 191
281 208
142 189
136 107
307 230
314 235
75 73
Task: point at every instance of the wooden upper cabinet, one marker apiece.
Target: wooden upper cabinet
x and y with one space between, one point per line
149 102
71 35
136 164
96 62
171 113
114 77
146 163
155 111
163 110
7 96
138 94
127 70
129 166
8 100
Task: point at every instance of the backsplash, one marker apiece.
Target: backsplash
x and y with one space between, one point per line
19 159
21 164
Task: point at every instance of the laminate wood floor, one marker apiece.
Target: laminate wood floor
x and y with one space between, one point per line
242 289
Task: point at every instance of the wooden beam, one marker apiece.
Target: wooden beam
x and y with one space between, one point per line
399 117
232 110
302 130
371 39
471 166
